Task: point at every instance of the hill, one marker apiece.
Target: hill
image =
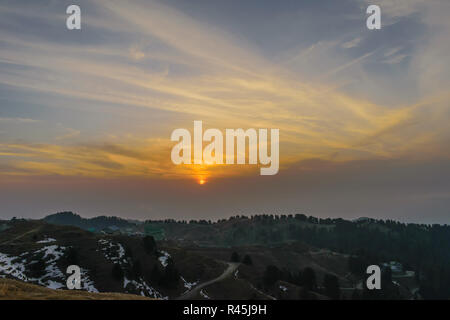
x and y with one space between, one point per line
39 253
93 224
19 290
286 257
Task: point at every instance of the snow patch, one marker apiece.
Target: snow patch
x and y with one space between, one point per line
114 252
52 276
188 285
47 240
204 294
53 251
10 265
164 258
142 287
86 282
54 285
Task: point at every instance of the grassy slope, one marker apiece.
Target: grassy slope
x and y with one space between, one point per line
23 236
18 290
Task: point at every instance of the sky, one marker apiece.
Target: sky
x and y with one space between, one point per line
86 115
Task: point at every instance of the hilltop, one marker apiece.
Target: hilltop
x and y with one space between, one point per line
93 224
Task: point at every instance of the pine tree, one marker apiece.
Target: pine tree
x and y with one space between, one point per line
331 285
247 260
149 244
117 272
235 257
309 279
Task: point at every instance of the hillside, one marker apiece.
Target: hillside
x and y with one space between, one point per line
93 224
422 249
39 253
299 258
19 290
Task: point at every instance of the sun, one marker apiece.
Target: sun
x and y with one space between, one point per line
201 181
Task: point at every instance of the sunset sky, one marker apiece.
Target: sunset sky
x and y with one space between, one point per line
86 116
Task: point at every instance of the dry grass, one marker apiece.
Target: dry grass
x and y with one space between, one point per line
17 290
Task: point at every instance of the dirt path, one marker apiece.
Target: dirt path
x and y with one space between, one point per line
262 293
21 235
232 266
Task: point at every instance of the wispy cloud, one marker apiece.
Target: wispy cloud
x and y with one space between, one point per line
352 43
17 120
163 59
70 133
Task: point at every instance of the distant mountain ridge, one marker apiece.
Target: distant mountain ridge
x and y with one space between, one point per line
68 218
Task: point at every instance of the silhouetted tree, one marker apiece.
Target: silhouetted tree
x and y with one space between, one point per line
386 275
271 275
117 272
309 279
136 269
235 257
71 256
128 252
331 285
156 274
171 276
37 269
247 260
357 265
149 244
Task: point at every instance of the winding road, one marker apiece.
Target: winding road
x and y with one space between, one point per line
232 266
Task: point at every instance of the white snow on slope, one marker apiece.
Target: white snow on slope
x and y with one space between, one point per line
53 251
47 240
164 258
12 266
52 277
113 251
204 294
188 285
86 283
54 285
16 267
142 287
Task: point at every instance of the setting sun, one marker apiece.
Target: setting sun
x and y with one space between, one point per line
201 181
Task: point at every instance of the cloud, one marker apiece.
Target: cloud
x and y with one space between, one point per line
215 77
18 120
136 53
395 59
392 51
393 10
352 43
361 133
70 133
